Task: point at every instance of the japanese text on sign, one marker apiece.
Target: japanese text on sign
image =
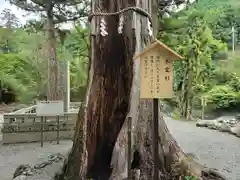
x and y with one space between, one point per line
156 76
167 69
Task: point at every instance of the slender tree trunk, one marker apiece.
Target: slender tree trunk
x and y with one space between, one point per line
52 88
183 95
185 91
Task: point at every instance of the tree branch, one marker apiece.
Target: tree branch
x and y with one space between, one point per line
63 15
23 4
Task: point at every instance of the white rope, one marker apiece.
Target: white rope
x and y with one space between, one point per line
103 25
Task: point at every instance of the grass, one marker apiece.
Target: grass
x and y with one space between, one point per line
232 64
205 3
176 114
190 178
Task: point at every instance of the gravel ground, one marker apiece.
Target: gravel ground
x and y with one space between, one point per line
11 156
214 149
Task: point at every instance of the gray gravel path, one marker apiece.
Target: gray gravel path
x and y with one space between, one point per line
11 156
214 149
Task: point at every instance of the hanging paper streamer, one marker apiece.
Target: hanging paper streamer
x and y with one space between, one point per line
150 28
103 31
120 26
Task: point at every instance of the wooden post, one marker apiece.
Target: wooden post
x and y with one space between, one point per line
66 79
203 103
155 139
41 131
129 119
63 83
58 129
1 91
203 109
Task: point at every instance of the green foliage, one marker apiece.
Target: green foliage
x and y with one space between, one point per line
230 66
58 10
24 63
77 44
222 97
7 43
194 40
21 74
8 19
221 16
223 92
176 114
202 34
190 178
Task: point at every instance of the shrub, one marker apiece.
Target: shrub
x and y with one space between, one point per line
222 97
176 114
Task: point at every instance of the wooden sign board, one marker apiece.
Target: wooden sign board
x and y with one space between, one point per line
156 72
50 108
156 76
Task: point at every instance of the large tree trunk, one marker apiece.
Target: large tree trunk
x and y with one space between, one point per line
173 163
108 103
113 95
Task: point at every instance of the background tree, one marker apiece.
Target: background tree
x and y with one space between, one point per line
55 12
9 20
198 47
24 65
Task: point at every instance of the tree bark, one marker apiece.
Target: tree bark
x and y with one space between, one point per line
108 103
52 88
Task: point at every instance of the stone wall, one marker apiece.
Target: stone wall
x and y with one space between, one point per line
27 127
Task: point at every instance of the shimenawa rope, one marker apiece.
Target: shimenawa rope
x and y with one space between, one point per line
135 9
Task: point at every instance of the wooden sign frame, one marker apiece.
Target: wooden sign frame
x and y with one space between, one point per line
156 71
